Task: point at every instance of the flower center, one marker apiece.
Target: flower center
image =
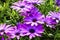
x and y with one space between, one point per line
22 6
1 30
31 30
28 12
17 33
34 20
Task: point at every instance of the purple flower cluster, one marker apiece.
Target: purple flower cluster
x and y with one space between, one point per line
21 30
33 21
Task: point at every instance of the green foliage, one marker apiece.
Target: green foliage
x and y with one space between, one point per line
10 16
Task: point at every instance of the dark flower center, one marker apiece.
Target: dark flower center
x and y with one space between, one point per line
34 20
17 33
28 12
22 6
1 30
31 30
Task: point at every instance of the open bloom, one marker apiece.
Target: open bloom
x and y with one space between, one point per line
34 19
21 6
34 1
32 31
57 2
50 21
3 28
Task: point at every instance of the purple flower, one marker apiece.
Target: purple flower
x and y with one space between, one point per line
31 31
34 1
34 18
50 21
57 2
21 6
14 33
3 28
54 15
32 11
